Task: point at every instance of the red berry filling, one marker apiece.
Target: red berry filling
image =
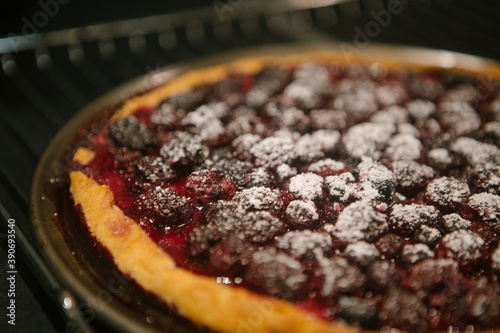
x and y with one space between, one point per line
370 199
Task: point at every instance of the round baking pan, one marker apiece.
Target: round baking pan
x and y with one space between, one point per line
105 296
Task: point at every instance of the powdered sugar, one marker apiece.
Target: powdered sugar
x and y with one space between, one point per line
410 174
305 243
488 207
413 253
285 171
259 198
421 109
453 222
403 147
495 259
447 191
475 152
459 118
358 221
342 187
326 164
274 151
409 218
307 186
361 253
367 139
466 246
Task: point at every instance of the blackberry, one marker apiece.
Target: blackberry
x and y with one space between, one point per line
129 132
204 186
162 208
358 311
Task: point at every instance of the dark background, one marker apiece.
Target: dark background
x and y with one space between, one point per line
74 13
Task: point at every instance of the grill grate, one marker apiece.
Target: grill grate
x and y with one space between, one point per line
47 78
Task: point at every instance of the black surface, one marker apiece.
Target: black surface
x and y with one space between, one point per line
36 101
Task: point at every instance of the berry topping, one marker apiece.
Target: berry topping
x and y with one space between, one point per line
301 214
458 118
260 198
307 186
382 275
495 259
205 120
361 253
162 208
185 149
434 275
167 115
342 187
338 276
447 192
409 218
488 180
376 176
463 245
358 221
439 157
326 167
274 151
403 147
389 245
268 82
453 222
305 244
488 207
277 274
206 185
154 170
427 235
357 311
328 119
405 311
412 253
367 139
421 109
411 175
129 132
476 153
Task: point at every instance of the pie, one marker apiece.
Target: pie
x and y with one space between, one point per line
304 194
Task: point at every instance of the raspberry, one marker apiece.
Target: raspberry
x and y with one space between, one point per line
205 185
276 273
129 132
162 208
301 214
389 245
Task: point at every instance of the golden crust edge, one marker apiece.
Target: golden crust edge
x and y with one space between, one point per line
252 65
200 299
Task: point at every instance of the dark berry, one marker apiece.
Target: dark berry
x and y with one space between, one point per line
434 275
302 214
405 311
277 274
357 311
162 208
129 132
154 170
229 256
305 244
389 245
260 198
338 276
186 101
407 219
204 186
382 275
185 149
361 253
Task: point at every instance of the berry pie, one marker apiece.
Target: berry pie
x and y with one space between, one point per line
304 194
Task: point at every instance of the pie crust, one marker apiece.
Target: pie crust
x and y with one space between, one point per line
200 299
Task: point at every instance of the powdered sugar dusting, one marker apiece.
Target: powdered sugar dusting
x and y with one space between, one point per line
447 191
367 139
453 222
413 253
274 151
488 207
475 152
361 253
307 186
464 245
